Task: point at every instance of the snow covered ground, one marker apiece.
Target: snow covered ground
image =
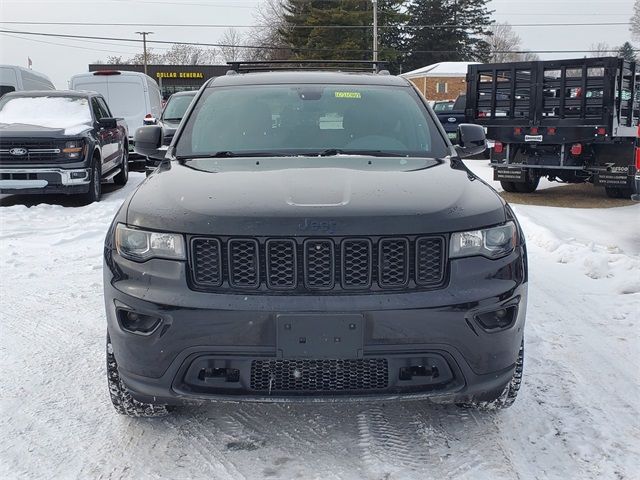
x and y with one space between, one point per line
577 416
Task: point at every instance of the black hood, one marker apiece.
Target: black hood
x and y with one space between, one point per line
26 130
277 197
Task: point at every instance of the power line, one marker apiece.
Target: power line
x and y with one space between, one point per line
272 47
214 25
67 45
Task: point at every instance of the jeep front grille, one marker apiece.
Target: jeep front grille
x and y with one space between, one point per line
317 265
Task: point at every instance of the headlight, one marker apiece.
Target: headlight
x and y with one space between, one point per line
492 242
140 245
74 149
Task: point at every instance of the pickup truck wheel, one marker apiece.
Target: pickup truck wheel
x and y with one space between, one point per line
122 400
507 397
95 186
508 186
614 192
121 178
529 186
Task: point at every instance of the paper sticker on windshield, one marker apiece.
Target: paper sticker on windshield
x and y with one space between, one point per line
348 95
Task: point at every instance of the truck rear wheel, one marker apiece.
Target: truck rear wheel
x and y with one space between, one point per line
614 192
508 186
529 186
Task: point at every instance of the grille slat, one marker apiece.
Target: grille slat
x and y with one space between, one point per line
429 261
356 263
282 265
393 262
244 264
321 265
330 375
208 265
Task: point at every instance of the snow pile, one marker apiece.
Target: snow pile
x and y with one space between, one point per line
69 113
576 417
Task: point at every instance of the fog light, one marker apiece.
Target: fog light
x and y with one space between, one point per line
78 174
497 319
137 322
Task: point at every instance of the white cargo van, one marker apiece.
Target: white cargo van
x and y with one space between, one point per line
130 95
16 79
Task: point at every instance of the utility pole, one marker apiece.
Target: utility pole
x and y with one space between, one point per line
375 30
144 46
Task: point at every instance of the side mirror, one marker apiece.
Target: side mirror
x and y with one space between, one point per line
471 140
150 121
147 142
108 122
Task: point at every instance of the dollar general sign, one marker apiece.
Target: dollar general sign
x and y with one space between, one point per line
179 75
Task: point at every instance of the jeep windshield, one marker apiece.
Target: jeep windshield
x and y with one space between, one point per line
310 120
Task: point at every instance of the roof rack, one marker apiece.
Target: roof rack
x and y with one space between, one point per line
335 65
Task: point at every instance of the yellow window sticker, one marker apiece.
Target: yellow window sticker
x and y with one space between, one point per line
348 95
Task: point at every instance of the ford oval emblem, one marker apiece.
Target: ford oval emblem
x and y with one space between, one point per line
18 151
451 120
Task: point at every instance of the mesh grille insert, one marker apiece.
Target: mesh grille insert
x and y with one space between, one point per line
319 375
356 263
429 261
207 256
393 262
319 260
281 264
243 263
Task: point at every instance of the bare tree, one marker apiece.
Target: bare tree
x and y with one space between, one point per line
180 54
506 45
600 49
231 51
635 21
271 13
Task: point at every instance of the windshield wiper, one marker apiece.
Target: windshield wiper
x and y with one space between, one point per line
170 119
230 154
331 152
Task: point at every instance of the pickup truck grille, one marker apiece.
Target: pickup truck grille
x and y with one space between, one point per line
39 151
317 265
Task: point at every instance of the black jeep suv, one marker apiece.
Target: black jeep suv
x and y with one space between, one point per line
313 236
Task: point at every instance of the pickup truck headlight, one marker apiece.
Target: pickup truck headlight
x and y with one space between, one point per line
141 245
74 149
494 242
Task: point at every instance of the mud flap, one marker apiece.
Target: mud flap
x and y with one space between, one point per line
509 174
616 180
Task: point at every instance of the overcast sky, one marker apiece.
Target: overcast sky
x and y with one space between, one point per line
68 57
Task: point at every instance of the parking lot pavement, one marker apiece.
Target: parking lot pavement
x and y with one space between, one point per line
577 415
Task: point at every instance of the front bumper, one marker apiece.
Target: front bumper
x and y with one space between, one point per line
44 180
230 333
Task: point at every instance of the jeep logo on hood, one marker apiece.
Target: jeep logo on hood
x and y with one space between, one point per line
18 151
326 226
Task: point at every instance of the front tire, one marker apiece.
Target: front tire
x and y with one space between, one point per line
507 397
95 186
121 399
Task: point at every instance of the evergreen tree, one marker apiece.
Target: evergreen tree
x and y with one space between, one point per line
430 41
304 32
627 52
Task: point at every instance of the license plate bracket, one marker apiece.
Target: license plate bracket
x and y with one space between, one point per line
320 336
